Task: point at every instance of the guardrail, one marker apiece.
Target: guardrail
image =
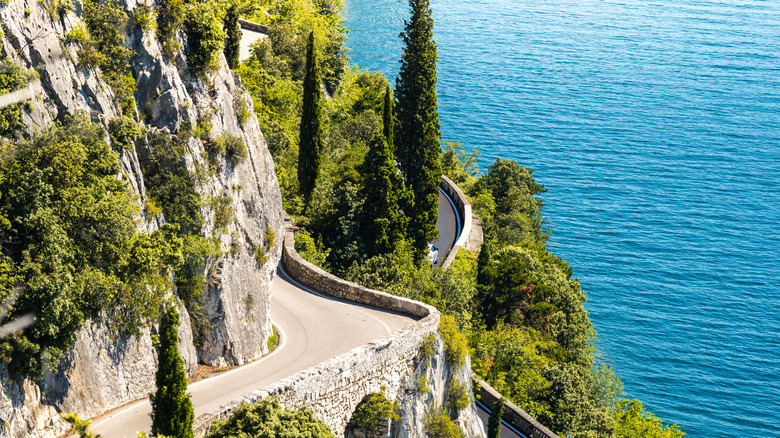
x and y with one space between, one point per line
513 415
471 229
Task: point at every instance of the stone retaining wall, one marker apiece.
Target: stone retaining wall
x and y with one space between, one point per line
513 415
257 27
471 228
333 389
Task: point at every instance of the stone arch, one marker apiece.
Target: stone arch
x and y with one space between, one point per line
372 416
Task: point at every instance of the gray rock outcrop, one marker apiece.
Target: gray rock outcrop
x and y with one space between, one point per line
416 405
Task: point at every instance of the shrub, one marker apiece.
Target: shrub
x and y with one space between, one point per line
145 18
169 21
123 132
12 78
78 35
260 255
270 237
457 396
311 251
428 347
273 340
205 37
422 383
106 22
223 211
454 341
266 418
439 425
374 408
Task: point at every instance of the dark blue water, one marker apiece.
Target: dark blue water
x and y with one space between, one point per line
655 125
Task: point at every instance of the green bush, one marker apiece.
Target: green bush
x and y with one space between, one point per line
422 383
260 255
273 340
12 78
373 409
267 419
223 211
106 22
123 132
632 421
310 250
145 18
455 345
205 37
270 237
427 347
439 425
457 395
170 19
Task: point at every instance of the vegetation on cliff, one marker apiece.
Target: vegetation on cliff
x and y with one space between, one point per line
70 249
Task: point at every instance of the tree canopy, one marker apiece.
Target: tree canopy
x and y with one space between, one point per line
418 130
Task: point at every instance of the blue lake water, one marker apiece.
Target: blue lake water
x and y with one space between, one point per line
655 125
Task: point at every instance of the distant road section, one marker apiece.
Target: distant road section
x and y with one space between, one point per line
448 227
312 327
506 430
248 37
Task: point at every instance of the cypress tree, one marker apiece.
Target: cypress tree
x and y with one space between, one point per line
418 132
494 421
388 119
310 144
382 224
172 412
233 39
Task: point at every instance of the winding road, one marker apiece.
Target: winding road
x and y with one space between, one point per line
312 328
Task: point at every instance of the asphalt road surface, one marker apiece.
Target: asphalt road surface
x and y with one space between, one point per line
447 225
506 432
312 329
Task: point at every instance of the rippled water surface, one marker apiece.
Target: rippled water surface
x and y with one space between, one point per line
655 125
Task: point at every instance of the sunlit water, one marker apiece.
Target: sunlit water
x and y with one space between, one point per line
656 127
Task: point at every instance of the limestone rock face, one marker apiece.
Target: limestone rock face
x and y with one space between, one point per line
416 405
103 371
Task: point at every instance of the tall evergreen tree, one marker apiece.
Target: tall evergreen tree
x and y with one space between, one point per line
494 421
310 143
388 119
382 224
417 135
172 412
233 39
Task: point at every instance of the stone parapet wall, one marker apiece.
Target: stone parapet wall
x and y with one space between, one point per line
471 227
251 25
333 389
513 415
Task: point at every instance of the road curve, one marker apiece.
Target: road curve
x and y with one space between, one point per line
447 224
312 327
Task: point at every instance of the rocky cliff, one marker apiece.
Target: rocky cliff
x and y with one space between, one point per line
101 371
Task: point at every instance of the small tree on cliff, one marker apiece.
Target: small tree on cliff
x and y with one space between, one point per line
172 412
417 135
310 143
494 422
233 39
382 224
